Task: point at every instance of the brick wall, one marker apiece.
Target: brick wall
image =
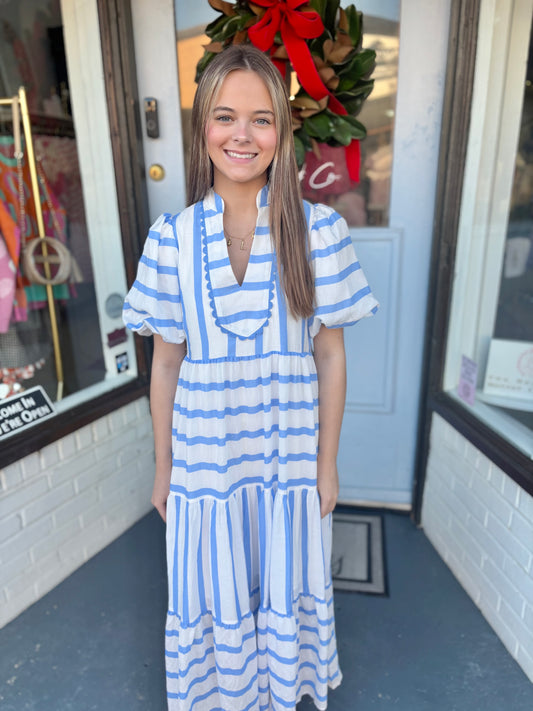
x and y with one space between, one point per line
481 523
63 504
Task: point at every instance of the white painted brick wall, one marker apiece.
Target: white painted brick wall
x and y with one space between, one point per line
62 505
481 523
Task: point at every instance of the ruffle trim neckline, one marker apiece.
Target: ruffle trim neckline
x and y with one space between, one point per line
225 293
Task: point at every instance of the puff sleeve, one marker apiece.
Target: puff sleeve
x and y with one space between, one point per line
153 304
342 293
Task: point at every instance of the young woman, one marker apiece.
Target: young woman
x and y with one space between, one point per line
246 292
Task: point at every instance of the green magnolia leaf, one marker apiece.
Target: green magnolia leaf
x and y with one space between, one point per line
345 84
299 149
304 138
363 88
202 64
245 17
354 106
244 11
340 65
329 16
216 25
319 6
347 70
357 128
367 62
316 46
361 65
244 14
232 26
327 9
342 131
355 24
318 126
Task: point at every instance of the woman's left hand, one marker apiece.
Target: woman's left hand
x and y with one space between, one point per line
328 485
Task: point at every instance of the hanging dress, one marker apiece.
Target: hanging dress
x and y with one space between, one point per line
250 622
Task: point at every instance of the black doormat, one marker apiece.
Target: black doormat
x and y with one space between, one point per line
358 560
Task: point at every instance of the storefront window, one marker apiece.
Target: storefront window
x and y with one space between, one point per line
489 364
325 178
508 381
60 340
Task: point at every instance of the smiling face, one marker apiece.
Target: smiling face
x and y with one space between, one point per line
241 132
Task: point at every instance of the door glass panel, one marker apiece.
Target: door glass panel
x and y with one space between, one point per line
324 177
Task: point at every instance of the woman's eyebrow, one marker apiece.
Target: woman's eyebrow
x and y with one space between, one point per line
228 108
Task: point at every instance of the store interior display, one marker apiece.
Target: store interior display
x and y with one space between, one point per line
49 328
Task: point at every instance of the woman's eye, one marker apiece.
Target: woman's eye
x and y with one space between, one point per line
223 118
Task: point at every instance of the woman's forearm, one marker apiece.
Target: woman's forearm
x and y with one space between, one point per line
164 378
330 360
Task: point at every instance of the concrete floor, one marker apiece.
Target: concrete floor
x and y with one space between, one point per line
95 642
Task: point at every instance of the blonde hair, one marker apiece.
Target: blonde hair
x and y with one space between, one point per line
288 225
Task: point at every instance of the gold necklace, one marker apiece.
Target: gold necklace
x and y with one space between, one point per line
229 239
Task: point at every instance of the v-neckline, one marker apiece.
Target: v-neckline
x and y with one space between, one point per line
240 283
242 317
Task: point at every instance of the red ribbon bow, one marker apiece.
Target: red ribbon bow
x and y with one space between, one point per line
295 27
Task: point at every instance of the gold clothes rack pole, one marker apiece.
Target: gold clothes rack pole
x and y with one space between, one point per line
20 99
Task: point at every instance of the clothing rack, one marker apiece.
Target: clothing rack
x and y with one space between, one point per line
19 106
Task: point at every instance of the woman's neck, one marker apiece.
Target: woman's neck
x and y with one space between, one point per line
239 198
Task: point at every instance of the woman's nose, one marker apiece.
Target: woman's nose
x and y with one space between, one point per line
242 131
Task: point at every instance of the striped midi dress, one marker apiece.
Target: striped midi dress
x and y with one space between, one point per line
250 622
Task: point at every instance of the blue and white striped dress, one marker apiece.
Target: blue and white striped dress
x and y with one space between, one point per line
250 621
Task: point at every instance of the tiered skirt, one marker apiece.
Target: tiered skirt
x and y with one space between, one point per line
250 623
